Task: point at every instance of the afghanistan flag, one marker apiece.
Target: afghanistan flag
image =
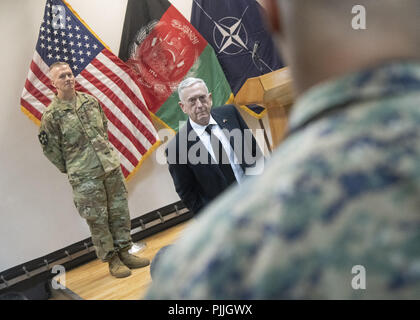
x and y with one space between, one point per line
163 48
236 30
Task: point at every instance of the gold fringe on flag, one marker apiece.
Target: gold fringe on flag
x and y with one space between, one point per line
30 116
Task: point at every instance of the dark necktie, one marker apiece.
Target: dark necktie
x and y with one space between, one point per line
221 156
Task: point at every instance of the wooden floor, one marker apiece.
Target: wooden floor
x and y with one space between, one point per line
92 281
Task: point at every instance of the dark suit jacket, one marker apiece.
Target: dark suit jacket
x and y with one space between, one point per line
199 182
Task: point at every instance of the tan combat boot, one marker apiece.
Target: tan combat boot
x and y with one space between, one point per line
133 261
117 268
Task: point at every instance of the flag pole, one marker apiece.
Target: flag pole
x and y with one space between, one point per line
267 142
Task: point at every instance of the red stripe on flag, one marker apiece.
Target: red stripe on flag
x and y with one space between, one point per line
173 14
41 76
124 129
120 82
31 109
130 94
36 93
120 104
124 171
124 67
121 148
117 123
113 119
79 87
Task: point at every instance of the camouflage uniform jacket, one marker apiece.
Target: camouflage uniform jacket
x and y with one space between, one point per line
335 214
74 137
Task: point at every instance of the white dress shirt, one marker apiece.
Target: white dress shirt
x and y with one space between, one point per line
218 132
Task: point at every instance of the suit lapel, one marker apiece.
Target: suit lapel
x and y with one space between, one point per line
221 120
225 123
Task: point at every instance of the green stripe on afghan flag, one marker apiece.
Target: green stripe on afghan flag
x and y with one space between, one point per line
163 48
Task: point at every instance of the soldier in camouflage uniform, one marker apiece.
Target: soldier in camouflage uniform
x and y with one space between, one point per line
336 214
74 137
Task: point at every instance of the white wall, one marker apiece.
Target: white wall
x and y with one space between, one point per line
37 215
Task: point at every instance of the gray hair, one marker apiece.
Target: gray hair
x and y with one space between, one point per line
188 82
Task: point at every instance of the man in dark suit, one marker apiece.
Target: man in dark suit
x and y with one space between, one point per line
214 150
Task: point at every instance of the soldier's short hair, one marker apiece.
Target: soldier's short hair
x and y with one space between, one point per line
58 63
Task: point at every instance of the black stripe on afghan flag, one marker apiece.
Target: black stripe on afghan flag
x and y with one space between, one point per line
138 14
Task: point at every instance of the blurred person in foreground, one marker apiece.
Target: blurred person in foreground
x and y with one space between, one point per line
336 213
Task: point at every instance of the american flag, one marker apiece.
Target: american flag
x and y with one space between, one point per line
63 36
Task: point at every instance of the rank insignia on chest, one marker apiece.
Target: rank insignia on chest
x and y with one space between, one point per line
43 138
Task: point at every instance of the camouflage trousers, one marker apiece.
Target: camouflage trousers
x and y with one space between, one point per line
103 203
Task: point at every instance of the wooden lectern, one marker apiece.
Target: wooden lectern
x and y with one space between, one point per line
274 92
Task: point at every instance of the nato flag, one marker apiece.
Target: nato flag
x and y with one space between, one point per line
237 32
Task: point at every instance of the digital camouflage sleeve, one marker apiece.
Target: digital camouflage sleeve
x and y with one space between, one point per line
50 139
